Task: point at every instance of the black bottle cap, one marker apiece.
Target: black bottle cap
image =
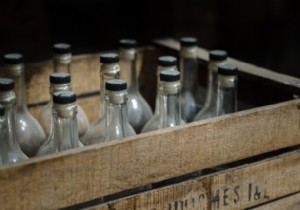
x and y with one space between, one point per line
128 43
169 76
116 85
167 61
6 84
217 55
64 97
227 69
13 58
109 58
62 48
60 78
2 111
188 41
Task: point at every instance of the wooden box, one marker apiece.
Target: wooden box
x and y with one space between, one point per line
248 159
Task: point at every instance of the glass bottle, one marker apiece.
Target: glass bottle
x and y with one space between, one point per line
165 63
227 89
191 98
30 132
10 151
117 125
3 130
169 99
139 111
62 59
109 69
216 57
64 133
60 81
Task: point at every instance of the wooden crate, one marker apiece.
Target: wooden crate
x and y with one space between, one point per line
248 159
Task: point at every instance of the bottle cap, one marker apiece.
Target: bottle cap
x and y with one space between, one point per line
169 76
167 61
60 78
128 43
227 69
13 58
61 48
64 97
188 41
217 55
6 84
116 85
109 58
2 112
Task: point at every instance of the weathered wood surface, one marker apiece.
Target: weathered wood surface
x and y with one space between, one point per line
237 188
248 68
84 174
291 202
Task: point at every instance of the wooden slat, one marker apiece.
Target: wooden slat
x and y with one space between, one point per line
84 174
237 188
243 66
291 202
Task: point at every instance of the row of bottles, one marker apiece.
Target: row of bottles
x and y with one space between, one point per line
123 111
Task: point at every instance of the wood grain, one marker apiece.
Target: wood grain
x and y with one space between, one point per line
238 188
79 175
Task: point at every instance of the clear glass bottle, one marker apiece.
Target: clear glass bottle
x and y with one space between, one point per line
62 60
165 63
60 81
192 99
30 133
117 125
209 110
64 132
10 147
109 69
227 89
139 111
169 99
3 129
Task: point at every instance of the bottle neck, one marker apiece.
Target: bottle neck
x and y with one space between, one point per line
169 103
116 119
226 95
62 62
65 130
128 66
189 68
59 87
62 67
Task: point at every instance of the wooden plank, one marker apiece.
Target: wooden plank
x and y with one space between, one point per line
291 202
84 174
248 68
237 188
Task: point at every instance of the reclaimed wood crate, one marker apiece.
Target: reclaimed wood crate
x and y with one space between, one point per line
246 160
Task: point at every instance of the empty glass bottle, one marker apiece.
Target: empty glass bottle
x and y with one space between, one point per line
169 99
10 147
191 98
62 59
139 111
116 116
109 69
209 110
60 81
30 132
64 133
227 89
168 63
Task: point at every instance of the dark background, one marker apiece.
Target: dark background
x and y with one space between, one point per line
262 32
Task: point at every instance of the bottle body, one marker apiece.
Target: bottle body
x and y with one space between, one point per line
139 111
